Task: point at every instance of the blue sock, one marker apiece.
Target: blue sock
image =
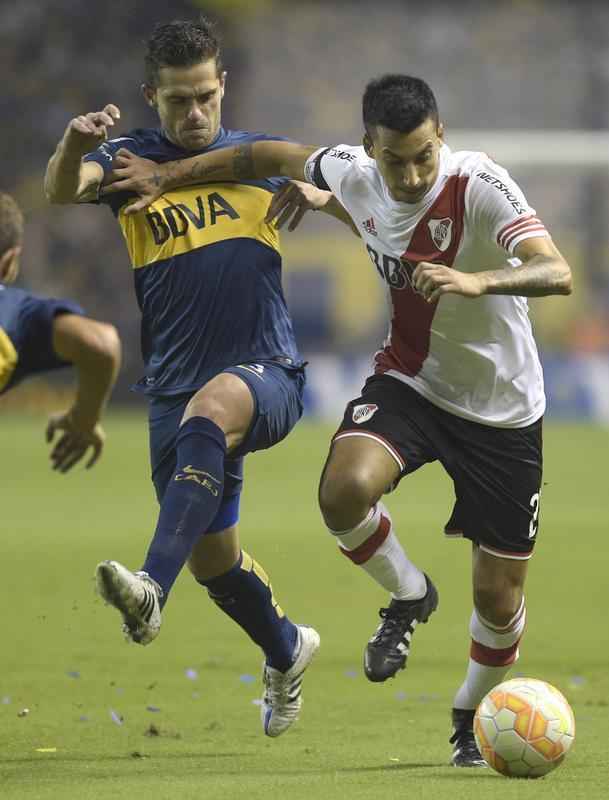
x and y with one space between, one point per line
190 502
246 595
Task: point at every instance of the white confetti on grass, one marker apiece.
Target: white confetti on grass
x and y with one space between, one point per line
116 717
192 674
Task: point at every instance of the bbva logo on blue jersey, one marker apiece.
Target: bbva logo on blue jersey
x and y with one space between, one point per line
176 219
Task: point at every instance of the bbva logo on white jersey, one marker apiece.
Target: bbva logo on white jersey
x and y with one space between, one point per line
364 412
441 232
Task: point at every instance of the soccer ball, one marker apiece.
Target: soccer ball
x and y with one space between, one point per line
524 728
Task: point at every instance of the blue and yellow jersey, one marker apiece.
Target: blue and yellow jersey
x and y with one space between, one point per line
207 271
26 334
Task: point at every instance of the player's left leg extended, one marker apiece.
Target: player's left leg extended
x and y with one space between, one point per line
497 476
496 627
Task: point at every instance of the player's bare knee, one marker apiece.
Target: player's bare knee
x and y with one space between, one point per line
207 406
345 498
498 603
214 554
206 570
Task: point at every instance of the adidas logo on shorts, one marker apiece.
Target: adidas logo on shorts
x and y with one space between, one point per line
364 413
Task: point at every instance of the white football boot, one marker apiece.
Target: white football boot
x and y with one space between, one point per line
282 699
135 595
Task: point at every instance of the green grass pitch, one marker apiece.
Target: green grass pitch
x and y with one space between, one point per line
62 655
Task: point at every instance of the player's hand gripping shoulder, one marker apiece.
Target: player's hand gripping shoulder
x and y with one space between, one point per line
75 439
131 173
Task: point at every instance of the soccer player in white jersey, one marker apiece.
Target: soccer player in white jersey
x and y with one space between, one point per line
458 378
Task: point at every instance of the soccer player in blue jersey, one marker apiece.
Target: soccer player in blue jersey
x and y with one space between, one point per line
223 375
40 334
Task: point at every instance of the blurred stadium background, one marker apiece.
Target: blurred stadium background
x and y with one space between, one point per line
526 80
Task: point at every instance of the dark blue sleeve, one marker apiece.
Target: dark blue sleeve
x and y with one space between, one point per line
103 156
34 337
106 152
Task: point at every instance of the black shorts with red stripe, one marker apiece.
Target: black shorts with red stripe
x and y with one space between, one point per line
496 472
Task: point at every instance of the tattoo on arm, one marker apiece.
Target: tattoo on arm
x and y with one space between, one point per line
196 170
535 278
201 172
243 162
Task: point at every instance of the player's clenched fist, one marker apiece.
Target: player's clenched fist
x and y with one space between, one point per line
433 280
88 131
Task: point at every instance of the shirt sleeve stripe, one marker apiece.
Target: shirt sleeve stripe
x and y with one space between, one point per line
514 224
510 230
523 227
525 233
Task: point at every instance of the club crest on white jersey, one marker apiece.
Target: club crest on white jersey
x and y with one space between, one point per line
364 412
441 232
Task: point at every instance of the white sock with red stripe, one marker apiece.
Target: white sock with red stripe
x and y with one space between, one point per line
374 547
493 651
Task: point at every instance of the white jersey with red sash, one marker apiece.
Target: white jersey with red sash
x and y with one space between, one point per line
475 358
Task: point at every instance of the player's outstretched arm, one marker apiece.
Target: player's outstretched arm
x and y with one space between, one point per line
543 272
249 161
94 349
68 179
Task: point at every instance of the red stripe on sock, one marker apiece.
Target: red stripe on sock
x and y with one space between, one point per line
489 657
368 548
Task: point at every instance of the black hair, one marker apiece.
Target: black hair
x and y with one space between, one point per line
181 43
398 102
11 223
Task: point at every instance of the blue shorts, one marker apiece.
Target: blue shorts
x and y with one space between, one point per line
277 392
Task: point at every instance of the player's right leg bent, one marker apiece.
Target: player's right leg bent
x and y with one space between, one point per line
367 459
